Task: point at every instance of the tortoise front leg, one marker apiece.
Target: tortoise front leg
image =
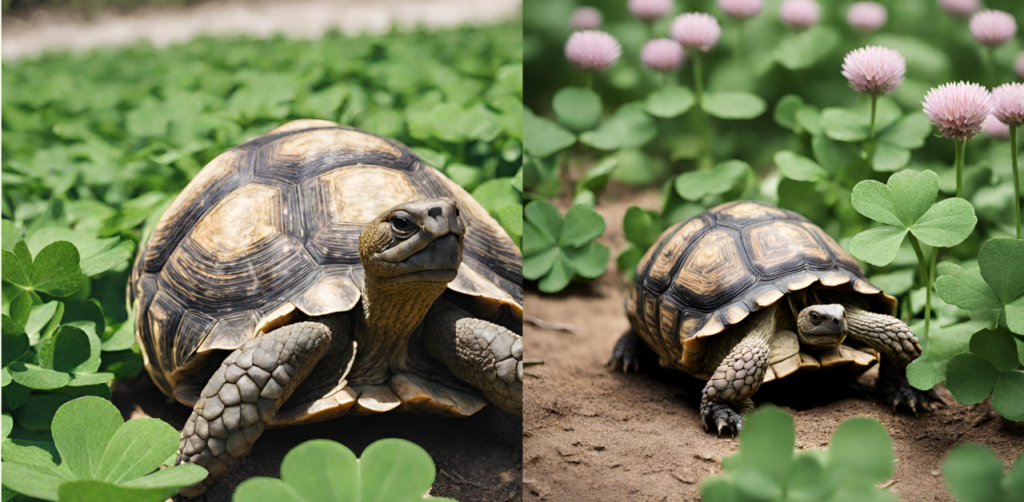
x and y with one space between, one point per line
481 353
726 397
243 396
898 345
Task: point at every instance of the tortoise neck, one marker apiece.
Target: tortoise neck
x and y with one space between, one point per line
391 312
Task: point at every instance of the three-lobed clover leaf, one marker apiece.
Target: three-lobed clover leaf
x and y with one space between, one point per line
974 474
54 271
992 367
102 457
994 289
629 127
555 250
905 205
859 457
324 471
942 343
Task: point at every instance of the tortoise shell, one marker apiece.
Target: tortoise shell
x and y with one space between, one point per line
269 231
710 272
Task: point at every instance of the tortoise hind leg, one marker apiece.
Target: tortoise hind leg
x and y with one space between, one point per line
899 346
243 396
726 397
630 352
481 353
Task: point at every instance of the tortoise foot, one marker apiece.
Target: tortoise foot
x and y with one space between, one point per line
895 391
629 351
720 416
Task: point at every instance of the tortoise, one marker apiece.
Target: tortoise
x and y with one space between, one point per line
319 270
747 293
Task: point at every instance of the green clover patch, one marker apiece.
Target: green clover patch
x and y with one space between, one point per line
556 250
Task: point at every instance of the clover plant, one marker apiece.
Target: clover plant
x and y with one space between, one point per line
556 249
859 457
906 207
96 456
324 471
974 474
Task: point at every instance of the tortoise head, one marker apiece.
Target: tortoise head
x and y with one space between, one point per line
416 241
822 326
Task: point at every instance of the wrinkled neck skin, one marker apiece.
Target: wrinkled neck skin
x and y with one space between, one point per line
391 312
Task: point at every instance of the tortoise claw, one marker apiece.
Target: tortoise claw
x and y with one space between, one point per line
627 353
721 416
897 391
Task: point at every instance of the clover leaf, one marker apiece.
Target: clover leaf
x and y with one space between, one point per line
321 470
628 127
895 134
555 250
577 108
859 457
906 205
97 255
595 179
943 343
992 367
695 185
102 458
669 102
542 137
974 474
642 229
54 271
802 50
733 105
994 288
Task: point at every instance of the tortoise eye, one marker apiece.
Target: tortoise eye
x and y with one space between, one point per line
456 212
815 317
402 224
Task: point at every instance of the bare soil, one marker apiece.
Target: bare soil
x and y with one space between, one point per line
478 458
591 434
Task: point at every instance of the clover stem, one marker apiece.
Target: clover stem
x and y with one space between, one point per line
928 292
588 79
925 277
1016 175
870 146
739 42
990 67
960 143
698 86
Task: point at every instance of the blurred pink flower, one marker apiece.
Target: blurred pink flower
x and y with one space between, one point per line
663 54
1019 65
799 14
649 10
995 129
958 108
586 18
993 27
874 69
1008 103
741 9
696 30
592 50
867 17
960 8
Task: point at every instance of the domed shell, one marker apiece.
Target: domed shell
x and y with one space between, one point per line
710 272
270 229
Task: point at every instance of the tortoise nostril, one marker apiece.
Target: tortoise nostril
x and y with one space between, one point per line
434 211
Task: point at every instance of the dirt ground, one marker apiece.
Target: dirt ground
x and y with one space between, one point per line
591 434
478 458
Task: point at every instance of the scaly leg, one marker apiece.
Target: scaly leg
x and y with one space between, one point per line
726 396
898 345
244 394
483 354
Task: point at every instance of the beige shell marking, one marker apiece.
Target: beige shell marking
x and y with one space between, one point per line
749 211
470 283
669 253
712 266
419 395
326 408
374 399
349 187
320 140
331 294
240 221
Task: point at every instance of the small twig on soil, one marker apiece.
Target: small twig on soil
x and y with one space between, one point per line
887 484
554 326
459 479
680 477
531 361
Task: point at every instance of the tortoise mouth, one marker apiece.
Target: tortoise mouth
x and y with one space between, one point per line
438 262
